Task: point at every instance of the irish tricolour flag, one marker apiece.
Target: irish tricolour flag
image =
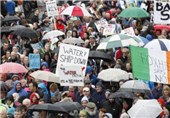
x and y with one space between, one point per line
150 65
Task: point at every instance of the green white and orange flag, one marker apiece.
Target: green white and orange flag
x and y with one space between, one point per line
150 65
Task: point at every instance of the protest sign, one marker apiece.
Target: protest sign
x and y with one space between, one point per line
71 76
38 46
51 8
128 31
101 24
161 12
109 30
70 55
150 65
34 61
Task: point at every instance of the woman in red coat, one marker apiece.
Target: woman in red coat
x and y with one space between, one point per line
60 25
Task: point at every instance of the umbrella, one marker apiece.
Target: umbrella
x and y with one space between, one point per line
17 27
134 86
133 12
6 29
69 106
47 107
26 32
73 41
145 109
99 55
11 67
113 74
119 40
143 39
45 75
10 18
159 44
161 27
122 94
52 34
75 11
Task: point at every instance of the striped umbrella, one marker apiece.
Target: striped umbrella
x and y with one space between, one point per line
159 44
119 40
12 68
75 11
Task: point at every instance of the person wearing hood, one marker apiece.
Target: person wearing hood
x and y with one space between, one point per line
90 75
44 89
99 95
10 7
17 88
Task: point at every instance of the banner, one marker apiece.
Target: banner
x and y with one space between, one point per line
109 30
71 75
150 65
70 55
34 61
161 12
51 8
101 24
128 31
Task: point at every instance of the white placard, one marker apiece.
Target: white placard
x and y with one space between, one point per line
70 55
71 76
128 31
101 24
51 8
161 12
109 30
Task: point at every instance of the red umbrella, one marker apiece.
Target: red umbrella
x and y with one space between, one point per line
161 27
12 68
75 11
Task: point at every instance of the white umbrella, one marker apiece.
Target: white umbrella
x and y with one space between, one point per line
75 11
134 86
73 41
52 34
145 109
45 75
159 44
113 74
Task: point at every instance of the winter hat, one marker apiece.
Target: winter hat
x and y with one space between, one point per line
85 99
109 115
149 37
44 64
99 84
83 113
167 106
91 105
15 76
86 89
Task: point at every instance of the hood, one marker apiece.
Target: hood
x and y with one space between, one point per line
43 87
89 69
15 83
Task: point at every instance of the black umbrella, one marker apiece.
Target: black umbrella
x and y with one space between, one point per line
69 106
6 29
26 32
47 107
99 55
11 18
122 94
17 27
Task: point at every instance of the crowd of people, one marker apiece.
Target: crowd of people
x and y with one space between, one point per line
20 91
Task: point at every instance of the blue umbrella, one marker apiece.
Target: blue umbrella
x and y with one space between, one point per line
143 39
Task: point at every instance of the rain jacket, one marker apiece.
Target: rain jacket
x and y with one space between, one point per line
93 78
21 92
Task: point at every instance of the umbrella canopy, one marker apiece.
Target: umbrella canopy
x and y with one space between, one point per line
99 55
145 109
52 34
47 107
45 75
10 18
159 44
26 32
122 94
75 11
17 27
73 41
69 106
161 27
134 86
6 29
115 74
119 40
11 67
133 12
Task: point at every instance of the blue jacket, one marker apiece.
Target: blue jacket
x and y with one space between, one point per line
100 98
21 92
93 77
10 7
